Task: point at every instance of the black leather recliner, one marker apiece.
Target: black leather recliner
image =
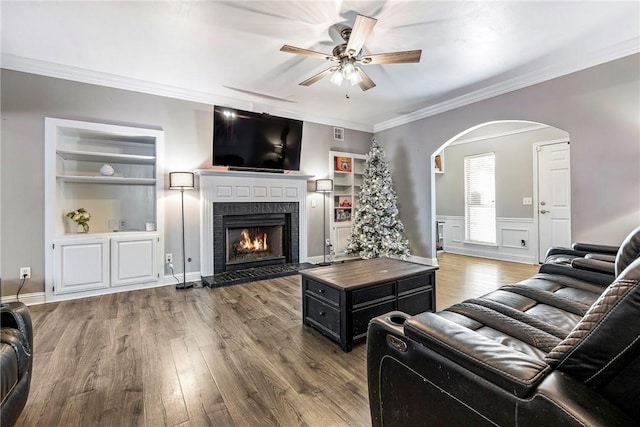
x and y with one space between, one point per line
585 256
555 349
16 360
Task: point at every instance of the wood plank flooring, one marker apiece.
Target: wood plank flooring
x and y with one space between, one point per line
233 356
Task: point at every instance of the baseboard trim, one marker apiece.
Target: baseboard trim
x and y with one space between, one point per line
33 298
423 260
191 277
492 255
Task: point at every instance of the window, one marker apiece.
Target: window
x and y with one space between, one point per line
480 198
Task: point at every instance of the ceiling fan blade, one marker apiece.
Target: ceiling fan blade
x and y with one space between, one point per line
359 33
366 82
300 51
393 57
311 80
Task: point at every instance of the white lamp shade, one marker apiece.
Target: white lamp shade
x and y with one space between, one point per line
181 180
324 185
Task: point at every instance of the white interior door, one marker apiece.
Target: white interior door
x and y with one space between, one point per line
554 197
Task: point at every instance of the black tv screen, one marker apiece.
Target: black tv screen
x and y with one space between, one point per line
246 140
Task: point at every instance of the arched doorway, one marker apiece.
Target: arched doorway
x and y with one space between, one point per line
531 196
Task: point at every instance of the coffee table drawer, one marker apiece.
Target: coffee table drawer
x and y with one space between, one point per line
411 283
417 302
323 291
323 315
372 293
362 317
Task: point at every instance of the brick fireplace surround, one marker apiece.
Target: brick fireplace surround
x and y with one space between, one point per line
259 191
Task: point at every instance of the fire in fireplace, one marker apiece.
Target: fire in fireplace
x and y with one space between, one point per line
256 240
254 244
246 245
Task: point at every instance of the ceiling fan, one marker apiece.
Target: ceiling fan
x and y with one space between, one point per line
348 58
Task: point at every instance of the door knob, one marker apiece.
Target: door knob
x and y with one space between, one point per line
543 211
542 203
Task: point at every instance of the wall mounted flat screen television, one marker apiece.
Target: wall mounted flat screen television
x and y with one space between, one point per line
256 141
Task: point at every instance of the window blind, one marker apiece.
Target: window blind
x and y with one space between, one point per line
480 198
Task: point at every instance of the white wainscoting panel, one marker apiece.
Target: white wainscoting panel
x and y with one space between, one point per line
510 234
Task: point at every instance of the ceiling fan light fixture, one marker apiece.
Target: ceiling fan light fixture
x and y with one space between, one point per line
348 70
355 77
336 77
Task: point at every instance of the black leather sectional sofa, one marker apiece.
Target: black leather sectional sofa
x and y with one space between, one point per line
16 347
560 348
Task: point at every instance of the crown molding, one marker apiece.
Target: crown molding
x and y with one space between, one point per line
531 128
568 66
66 72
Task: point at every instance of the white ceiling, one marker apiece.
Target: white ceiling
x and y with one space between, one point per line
228 53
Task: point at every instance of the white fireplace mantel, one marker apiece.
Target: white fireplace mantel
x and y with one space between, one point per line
239 186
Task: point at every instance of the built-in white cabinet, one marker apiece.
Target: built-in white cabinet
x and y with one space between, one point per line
114 173
81 265
134 259
346 171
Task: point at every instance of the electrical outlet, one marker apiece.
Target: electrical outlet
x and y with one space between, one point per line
168 258
527 201
25 272
123 224
523 243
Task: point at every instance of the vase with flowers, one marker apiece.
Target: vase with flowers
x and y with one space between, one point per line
81 217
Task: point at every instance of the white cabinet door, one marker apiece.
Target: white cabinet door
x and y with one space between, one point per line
134 259
81 265
341 233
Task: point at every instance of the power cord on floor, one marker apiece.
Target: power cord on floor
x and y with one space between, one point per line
172 273
195 285
22 282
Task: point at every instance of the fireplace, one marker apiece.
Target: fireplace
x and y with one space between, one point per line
279 221
231 193
256 240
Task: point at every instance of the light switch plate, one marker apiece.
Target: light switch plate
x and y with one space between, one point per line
527 201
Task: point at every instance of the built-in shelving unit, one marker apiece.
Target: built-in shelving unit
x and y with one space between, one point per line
346 172
113 172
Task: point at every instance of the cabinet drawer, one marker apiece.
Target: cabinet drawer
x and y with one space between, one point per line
417 302
372 293
411 283
362 317
323 291
323 315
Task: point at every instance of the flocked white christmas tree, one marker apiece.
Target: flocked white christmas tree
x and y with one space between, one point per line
377 231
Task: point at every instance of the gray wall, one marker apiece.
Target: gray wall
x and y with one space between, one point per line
188 127
317 141
600 109
514 172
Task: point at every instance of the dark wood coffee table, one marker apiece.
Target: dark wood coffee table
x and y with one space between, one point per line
339 300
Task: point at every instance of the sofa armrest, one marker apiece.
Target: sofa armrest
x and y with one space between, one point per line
595 265
588 276
507 368
602 257
600 249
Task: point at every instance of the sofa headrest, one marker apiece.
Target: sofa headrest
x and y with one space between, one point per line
606 340
629 251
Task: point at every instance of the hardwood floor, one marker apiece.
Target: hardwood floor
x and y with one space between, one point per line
233 356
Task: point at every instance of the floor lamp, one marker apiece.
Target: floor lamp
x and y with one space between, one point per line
324 186
182 181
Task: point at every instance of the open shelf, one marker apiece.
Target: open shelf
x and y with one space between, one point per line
92 156
99 179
